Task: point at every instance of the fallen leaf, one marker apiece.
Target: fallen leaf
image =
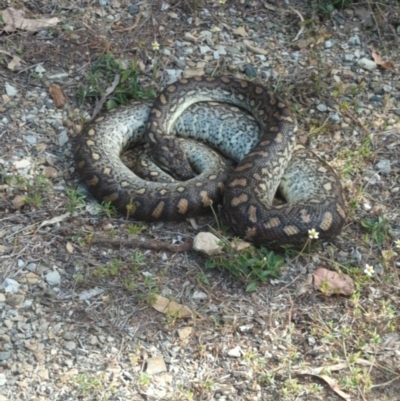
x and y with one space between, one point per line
15 19
171 308
59 99
330 282
386 65
16 62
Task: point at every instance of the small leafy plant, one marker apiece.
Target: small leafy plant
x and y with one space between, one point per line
253 265
102 75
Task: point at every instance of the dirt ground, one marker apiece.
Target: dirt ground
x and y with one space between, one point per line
78 283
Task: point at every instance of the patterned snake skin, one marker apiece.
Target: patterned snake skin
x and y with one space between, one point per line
268 159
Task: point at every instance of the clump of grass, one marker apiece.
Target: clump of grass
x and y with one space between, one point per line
252 265
102 75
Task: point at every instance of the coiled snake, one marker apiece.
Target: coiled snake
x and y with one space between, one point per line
268 160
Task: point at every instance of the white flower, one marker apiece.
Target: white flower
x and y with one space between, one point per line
156 45
313 234
397 243
215 28
222 1
369 270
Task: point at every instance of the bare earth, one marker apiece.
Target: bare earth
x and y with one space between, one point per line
77 319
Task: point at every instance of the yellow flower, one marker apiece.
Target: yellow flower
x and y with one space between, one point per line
397 243
156 45
222 1
369 270
215 28
313 234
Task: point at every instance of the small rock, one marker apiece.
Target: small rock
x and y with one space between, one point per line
335 118
354 41
185 332
207 243
348 57
367 64
5 355
156 365
32 278
11 286
63 138
328 44
250 71
204 49
235 352
69 345
199 295
53 277
321 107
10 90
15 299
3 379
68 335
384 166
18 201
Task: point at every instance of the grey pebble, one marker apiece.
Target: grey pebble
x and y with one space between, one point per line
354 41
70 345
63 138
367 64
348 57
31 267
53 278
133 9
68 335
328 44
5 355
321 107
384 166
335 118
250 71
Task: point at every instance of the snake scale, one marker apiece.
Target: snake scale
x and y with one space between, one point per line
267 160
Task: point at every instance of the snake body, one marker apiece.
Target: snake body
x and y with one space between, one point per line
267 160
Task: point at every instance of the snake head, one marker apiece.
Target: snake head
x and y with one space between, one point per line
169 155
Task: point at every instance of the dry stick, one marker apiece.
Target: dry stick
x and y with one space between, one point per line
302 26
103 98
355 119
152 244
130 28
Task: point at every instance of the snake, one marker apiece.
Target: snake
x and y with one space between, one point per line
252 126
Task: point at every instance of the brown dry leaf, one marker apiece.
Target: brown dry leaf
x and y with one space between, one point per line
15 19
59 98
330 282
387 65
241 32
332 383
168 307
15 64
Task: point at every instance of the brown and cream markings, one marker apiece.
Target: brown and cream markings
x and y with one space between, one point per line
267 155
